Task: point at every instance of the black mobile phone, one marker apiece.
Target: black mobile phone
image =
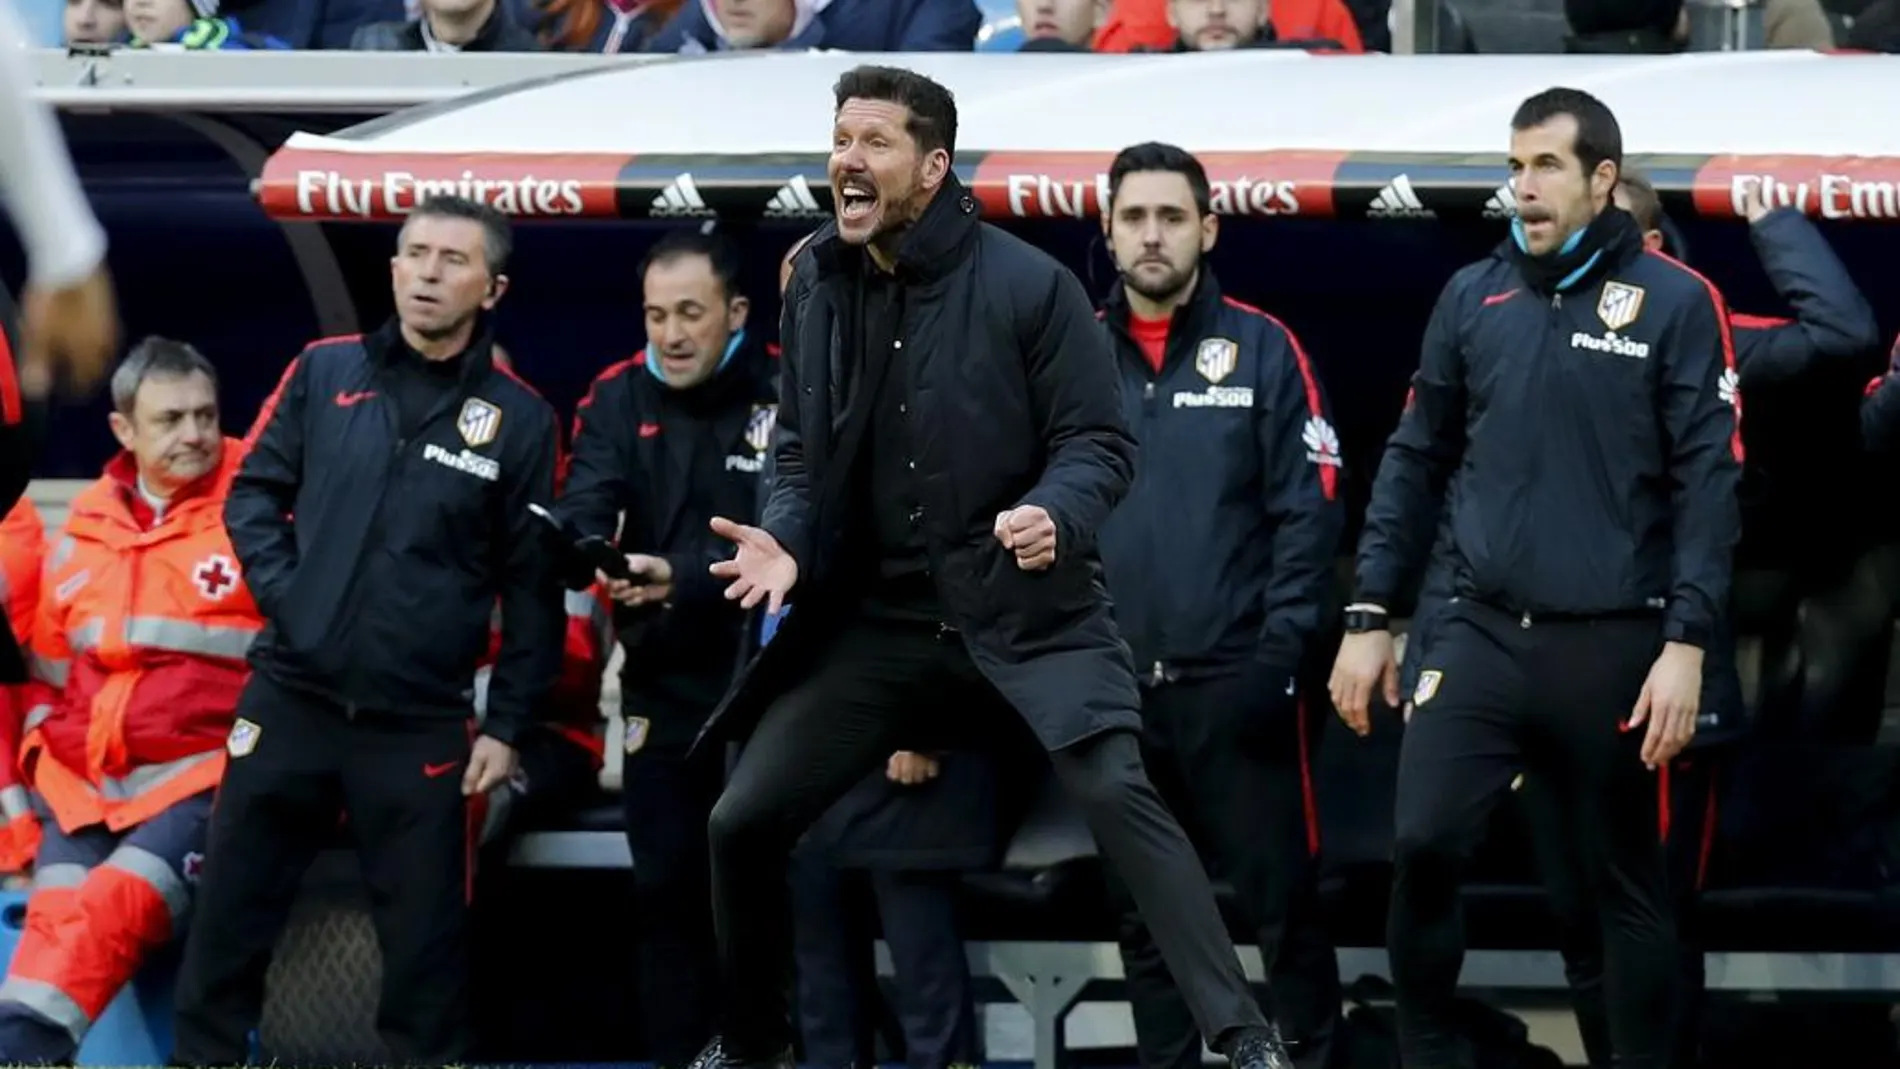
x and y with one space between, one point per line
591 552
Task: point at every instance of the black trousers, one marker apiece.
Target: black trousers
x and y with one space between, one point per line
301 762
1687 820
1502 695
667 800
838 992
1240 791
871 689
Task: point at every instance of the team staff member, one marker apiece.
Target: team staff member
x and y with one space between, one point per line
1220 564
1591 561
939 580
381 512
22 550
1832 322
669 440
144 621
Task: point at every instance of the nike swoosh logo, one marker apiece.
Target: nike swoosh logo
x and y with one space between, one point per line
443 769
648 430
345 399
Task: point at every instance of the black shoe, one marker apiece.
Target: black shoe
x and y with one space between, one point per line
715 1056
1258 1048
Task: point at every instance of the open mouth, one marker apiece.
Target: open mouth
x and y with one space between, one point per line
856 201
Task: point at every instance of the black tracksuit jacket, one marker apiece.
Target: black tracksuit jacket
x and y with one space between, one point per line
377 560
1596 441
1222 552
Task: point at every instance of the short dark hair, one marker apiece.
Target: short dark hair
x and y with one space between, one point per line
1599 137
156 358
1159 156
1645 205
695 241
933 110
498 241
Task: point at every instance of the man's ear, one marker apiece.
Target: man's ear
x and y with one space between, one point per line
936 168
497 285
121 428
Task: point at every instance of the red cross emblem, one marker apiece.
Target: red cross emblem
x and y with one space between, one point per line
216 576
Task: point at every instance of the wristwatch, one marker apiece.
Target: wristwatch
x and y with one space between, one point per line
1364 617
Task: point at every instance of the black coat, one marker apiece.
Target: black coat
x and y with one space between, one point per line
1012 391
952 822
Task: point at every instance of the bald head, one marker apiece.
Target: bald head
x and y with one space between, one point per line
785 265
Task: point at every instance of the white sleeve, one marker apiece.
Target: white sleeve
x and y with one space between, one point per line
63 240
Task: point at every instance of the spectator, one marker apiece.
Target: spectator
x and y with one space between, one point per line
669 440
138 652
194 25
95 22
22 548
1796 24
381 512
1210 25
1626 26
1060 25
449 26
842 25
605 26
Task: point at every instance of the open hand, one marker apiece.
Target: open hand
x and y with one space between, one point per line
1366 660
761 570
490 763
1671 698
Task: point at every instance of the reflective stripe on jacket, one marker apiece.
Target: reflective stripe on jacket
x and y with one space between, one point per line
141 637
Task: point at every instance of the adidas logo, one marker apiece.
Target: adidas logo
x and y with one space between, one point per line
1399 201
680 199
1502 205
794 200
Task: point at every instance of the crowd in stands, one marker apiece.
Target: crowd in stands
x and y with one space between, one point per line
687 27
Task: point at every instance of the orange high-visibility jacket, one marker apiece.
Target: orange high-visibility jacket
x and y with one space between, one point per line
143 633
22 551
574 703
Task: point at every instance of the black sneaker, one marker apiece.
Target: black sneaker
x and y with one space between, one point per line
1258 1048
715 1056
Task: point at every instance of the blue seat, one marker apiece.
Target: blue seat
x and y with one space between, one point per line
136 1028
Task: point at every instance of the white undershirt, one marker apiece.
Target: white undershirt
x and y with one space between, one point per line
64 242
156 502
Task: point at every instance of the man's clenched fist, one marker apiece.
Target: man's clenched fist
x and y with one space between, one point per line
1027 531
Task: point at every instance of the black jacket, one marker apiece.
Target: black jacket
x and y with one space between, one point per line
1831 322
1595 441
670 460
1013 396
377 561
1223 550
